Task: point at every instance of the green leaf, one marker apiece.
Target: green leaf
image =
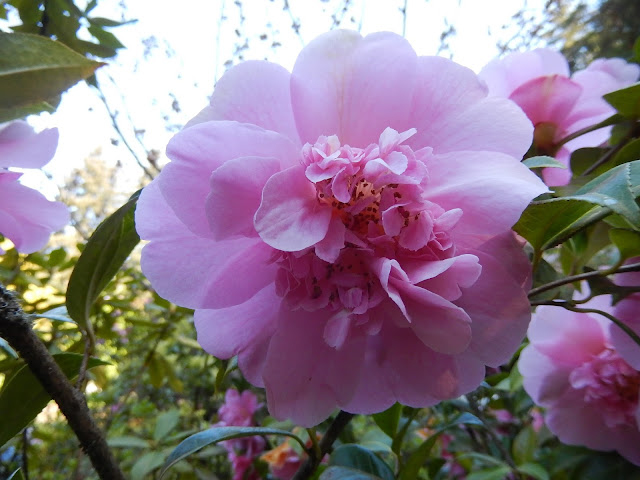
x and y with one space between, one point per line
524 445
102 257
23 397
7 114
345 473
107 22
543 161
584 158
4 345
626 241
166 422
145 464
127 441
534 470
547 223
58 314
628 153
359 458
494 473
34 69
218 434
626 101
17 475
418 457
389 420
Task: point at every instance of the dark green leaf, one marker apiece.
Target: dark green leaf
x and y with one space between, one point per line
102 257
127 442
543 161
389 419
105 38
626 101
165 422
628 153
584 158
34 69
344 473
145 464
17 475
107 22
524 445
7 114
218 434
359 458
493 473
534 470
626 241
22 398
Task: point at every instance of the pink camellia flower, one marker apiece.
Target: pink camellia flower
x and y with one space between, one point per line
627 311
345 229
557 103
237 411
590 392
27 218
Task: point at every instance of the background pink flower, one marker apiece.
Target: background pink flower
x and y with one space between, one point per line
590 392
345 229
557 103
27 218
627 311
237 411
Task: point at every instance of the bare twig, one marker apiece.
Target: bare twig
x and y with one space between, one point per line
16 329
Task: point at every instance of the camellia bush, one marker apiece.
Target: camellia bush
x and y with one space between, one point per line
395 269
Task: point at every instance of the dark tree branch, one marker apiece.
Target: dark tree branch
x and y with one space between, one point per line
314 459
16 329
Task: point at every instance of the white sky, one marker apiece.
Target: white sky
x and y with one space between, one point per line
194 41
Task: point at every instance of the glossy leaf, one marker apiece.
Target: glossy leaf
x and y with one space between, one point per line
345 473
17 475
543 161
218 434
389 420
102 257
34 69
23 397
58 314
359 458
626 101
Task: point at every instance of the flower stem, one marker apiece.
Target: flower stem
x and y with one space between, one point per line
633 267
314 459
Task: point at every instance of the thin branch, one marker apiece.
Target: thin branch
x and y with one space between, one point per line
16 329
633 267
314 459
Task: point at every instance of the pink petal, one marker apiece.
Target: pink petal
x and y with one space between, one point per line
627 312
27 218
199 150
194 271
378 88
290 218
318 84
328 249
227 332
446 277
22 147
548 99
497 303
543 380
492 189
255 92
236 192
306 379
451 113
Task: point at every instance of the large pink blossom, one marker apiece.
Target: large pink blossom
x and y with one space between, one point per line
345 228
557 102
589 390
27 218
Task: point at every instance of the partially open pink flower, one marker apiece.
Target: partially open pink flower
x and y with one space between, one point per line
557 103
27 218
590 392
345 228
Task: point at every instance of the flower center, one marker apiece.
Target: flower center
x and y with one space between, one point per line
611 384
378 210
